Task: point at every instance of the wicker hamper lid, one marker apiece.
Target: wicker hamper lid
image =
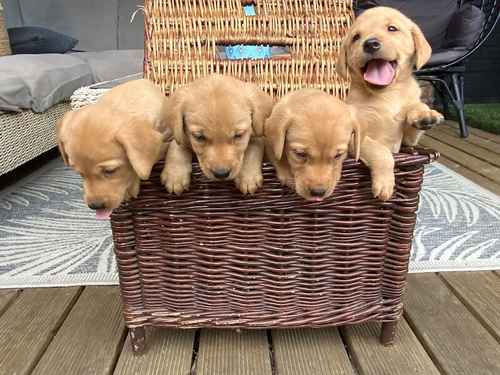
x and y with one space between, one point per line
183 37
4 37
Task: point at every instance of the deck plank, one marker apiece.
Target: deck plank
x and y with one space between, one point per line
471 175
453 337
227 352
480 292
481 167
487 144
28 325
475 131
407 356
168 352
6 298
311 352
466 146
90 339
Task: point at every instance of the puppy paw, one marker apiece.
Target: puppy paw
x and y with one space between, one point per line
249 183
285 178
424 120
383 188
175 181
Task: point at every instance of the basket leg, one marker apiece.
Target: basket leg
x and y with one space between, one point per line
388 332
138 339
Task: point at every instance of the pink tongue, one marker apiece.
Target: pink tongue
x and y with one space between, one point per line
379 72
103 214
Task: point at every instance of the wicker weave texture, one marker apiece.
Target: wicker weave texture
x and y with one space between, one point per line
182 37
4 36
25 135
213 258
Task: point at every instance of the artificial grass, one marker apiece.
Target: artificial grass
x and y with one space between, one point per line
483 116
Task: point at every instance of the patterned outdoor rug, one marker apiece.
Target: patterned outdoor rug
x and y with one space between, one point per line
48 237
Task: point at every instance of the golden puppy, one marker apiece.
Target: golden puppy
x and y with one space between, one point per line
380 52
115 142
307 140
218 118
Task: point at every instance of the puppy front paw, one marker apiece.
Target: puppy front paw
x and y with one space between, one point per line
249 183
383 188
176 181
424 119
285 177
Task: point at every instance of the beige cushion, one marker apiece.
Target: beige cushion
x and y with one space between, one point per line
4 37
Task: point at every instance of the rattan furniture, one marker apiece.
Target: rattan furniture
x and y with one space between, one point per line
214 258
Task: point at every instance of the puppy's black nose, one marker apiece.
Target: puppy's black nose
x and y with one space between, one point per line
97 205
371 45
317 192
221 173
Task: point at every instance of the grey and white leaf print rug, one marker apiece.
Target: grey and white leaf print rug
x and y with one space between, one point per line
48 237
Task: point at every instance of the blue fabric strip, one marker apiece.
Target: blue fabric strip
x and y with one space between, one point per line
249 10
244 51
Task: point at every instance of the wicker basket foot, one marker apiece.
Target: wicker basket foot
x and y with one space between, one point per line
138 339
388 332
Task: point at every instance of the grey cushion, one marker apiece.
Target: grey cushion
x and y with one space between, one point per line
38 82
108 65
433 16
34 39
465 27
445 56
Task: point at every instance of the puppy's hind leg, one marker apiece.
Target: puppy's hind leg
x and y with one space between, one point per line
250 176
176 175
381 163
418 118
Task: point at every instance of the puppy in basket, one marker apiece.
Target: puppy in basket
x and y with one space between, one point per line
307 139
219 119
115 142
379 52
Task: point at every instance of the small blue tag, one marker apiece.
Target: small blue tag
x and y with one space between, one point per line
249 10
242 51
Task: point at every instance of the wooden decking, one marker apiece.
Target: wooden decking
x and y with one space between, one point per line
451 323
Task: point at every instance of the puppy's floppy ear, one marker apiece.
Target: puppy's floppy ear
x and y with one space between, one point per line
357 136
175 115
276 127
62 131
143 146
261 106
423 49
341 64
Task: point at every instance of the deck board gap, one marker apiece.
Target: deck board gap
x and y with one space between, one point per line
10 301
196 348
357 368
272 356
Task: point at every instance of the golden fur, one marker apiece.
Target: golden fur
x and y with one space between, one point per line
392 114
220 119
115 142
307 140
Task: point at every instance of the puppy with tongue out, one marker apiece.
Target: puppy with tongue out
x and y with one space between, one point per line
379 54
114 143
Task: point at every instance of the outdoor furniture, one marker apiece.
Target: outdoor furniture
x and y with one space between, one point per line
455 30
212 257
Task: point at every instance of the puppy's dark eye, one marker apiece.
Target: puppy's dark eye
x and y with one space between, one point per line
355 38
300 154
199 137
239 135
392 28
109 172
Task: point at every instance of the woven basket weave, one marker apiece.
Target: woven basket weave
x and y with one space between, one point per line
214 258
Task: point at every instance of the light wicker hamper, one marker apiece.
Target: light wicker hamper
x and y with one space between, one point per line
214 258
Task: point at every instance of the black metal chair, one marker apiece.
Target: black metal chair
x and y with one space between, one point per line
446 68
447 77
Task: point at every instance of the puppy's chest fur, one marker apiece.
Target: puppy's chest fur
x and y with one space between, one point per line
382 114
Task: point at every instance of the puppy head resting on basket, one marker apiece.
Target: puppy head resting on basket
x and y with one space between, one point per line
219 119
382 48
307 138
114 143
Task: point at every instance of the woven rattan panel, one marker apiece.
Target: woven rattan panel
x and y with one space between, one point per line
181 40
214 258
25 135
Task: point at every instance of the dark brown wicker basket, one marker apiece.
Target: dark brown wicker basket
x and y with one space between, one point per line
213 258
